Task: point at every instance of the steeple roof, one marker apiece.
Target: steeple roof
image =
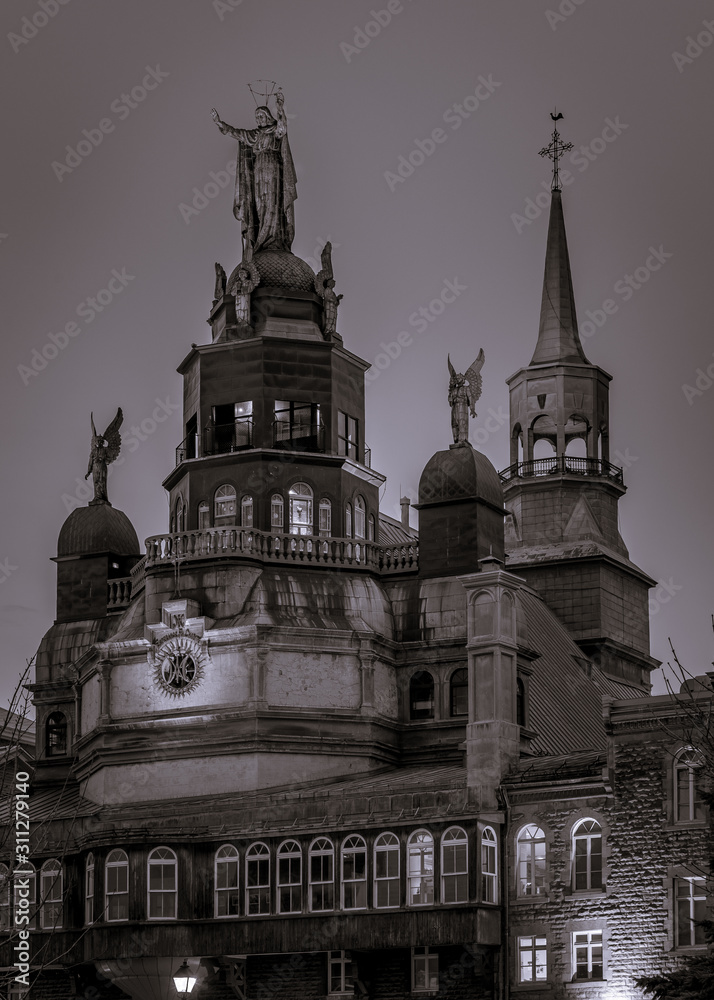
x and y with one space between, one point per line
558 339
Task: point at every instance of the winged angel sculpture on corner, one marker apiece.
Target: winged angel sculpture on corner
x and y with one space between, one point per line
105 450
464 391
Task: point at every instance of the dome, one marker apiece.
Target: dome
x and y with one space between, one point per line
460 473
280 269
97 528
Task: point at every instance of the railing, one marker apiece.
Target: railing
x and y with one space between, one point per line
119 593
558 465
368 456
313 438
187 449
221 439
266 547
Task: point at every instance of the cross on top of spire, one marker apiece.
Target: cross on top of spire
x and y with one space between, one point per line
555 149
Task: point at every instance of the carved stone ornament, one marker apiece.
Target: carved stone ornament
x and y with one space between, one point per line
178 661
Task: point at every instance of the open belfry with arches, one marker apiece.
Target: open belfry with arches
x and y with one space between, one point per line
311 752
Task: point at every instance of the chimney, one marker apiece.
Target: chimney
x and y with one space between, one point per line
405 503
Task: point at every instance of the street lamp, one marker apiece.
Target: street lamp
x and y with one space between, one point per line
184 980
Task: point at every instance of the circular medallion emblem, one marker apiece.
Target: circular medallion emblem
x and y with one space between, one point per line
178 663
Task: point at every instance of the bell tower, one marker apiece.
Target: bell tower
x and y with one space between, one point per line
561 490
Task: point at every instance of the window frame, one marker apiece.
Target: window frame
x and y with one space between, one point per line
343 960
56 734
225 520
459 878
463 672
696 808
489 848
422 876
590 945
532 945
89 886
351 846
246 511
692 898
588 838
390 881
327 853
115 865
203 515
429 713
283 854
347 436
360 517
169 860
277 503
226 891
532 877
52 895
258 854
308 498
324 514
431 970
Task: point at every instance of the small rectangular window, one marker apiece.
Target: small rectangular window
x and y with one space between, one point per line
587 955
425 971
690 910
532 959
347 436
340 976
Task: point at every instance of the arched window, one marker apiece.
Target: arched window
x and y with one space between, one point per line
325 510
421 696
520 702
348 520
545 436
454 866
5 912
587 855
178 513
226 882
277 513
688 804
531 861
224 505
51 895
246 512
289 877
163 884
257 879
386 870
354 874
116 886
359 517
489 871
420 868
56 734
204 515
459 692
322 875
89 889
18 904
371 528
300 496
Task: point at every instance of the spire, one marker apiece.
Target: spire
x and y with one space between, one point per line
558 339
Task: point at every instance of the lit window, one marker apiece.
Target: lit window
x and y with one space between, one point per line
420 869
691 903
587 855
230 428
425 971
386 870
162 884
354 874
204 515
421 696
587 955
347 443
246 512
359 518
489 871
226 881
28 875
56 734
459 692
300 496
5 883
277 515
688 804
322 875
325 512
257 888
89 890
531 861
51 895
224 505
116 886
340 973
370 528
348 520
298 426
289 877
454 866
532 959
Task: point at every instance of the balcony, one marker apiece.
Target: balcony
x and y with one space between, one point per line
267 547
307 438
563 465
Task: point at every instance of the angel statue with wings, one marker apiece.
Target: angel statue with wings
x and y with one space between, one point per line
325 288
105 449
464 391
